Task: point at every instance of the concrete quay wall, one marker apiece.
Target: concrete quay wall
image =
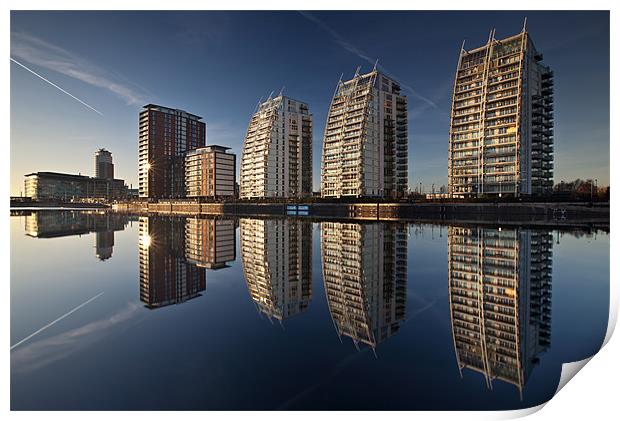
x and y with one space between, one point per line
483 212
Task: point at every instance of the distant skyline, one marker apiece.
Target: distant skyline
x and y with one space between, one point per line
219 64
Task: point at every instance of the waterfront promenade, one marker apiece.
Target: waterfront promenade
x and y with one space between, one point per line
539 213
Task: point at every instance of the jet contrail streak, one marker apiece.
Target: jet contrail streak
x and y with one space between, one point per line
57 320
56 86
354 50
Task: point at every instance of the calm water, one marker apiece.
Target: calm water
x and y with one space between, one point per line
185 313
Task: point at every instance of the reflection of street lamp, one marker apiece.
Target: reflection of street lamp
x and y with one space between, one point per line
500 187
596 186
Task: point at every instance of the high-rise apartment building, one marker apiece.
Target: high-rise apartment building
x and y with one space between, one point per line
165 136
276 255
166 277
365 146
210 172
365 277
104 167
501 130
500 300
277 151
210 242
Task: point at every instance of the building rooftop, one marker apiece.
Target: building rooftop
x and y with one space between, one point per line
56 174
209 148
493 40
302 107
161 107
65 175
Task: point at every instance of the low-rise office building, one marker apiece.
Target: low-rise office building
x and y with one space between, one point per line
70 187
210 172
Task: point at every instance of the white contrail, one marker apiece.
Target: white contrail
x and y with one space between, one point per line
354 50
57 320
56 86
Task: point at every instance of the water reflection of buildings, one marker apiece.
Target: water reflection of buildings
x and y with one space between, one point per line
210 243
276 256
166 277
365 277
51 224
175 253
104 244
500 300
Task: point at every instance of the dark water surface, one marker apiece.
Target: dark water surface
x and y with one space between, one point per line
240 313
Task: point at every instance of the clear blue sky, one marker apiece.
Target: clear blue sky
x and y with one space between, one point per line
219 64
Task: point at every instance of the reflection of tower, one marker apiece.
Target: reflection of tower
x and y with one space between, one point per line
104 244
210 242
365 275
165 275
104 236
500 300
276 255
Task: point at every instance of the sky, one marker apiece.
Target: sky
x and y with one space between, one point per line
93 72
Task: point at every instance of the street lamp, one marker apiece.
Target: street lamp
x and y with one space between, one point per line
596 186
500 187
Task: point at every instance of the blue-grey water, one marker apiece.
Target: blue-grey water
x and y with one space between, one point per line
125 312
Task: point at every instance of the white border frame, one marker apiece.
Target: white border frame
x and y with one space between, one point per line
592 394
